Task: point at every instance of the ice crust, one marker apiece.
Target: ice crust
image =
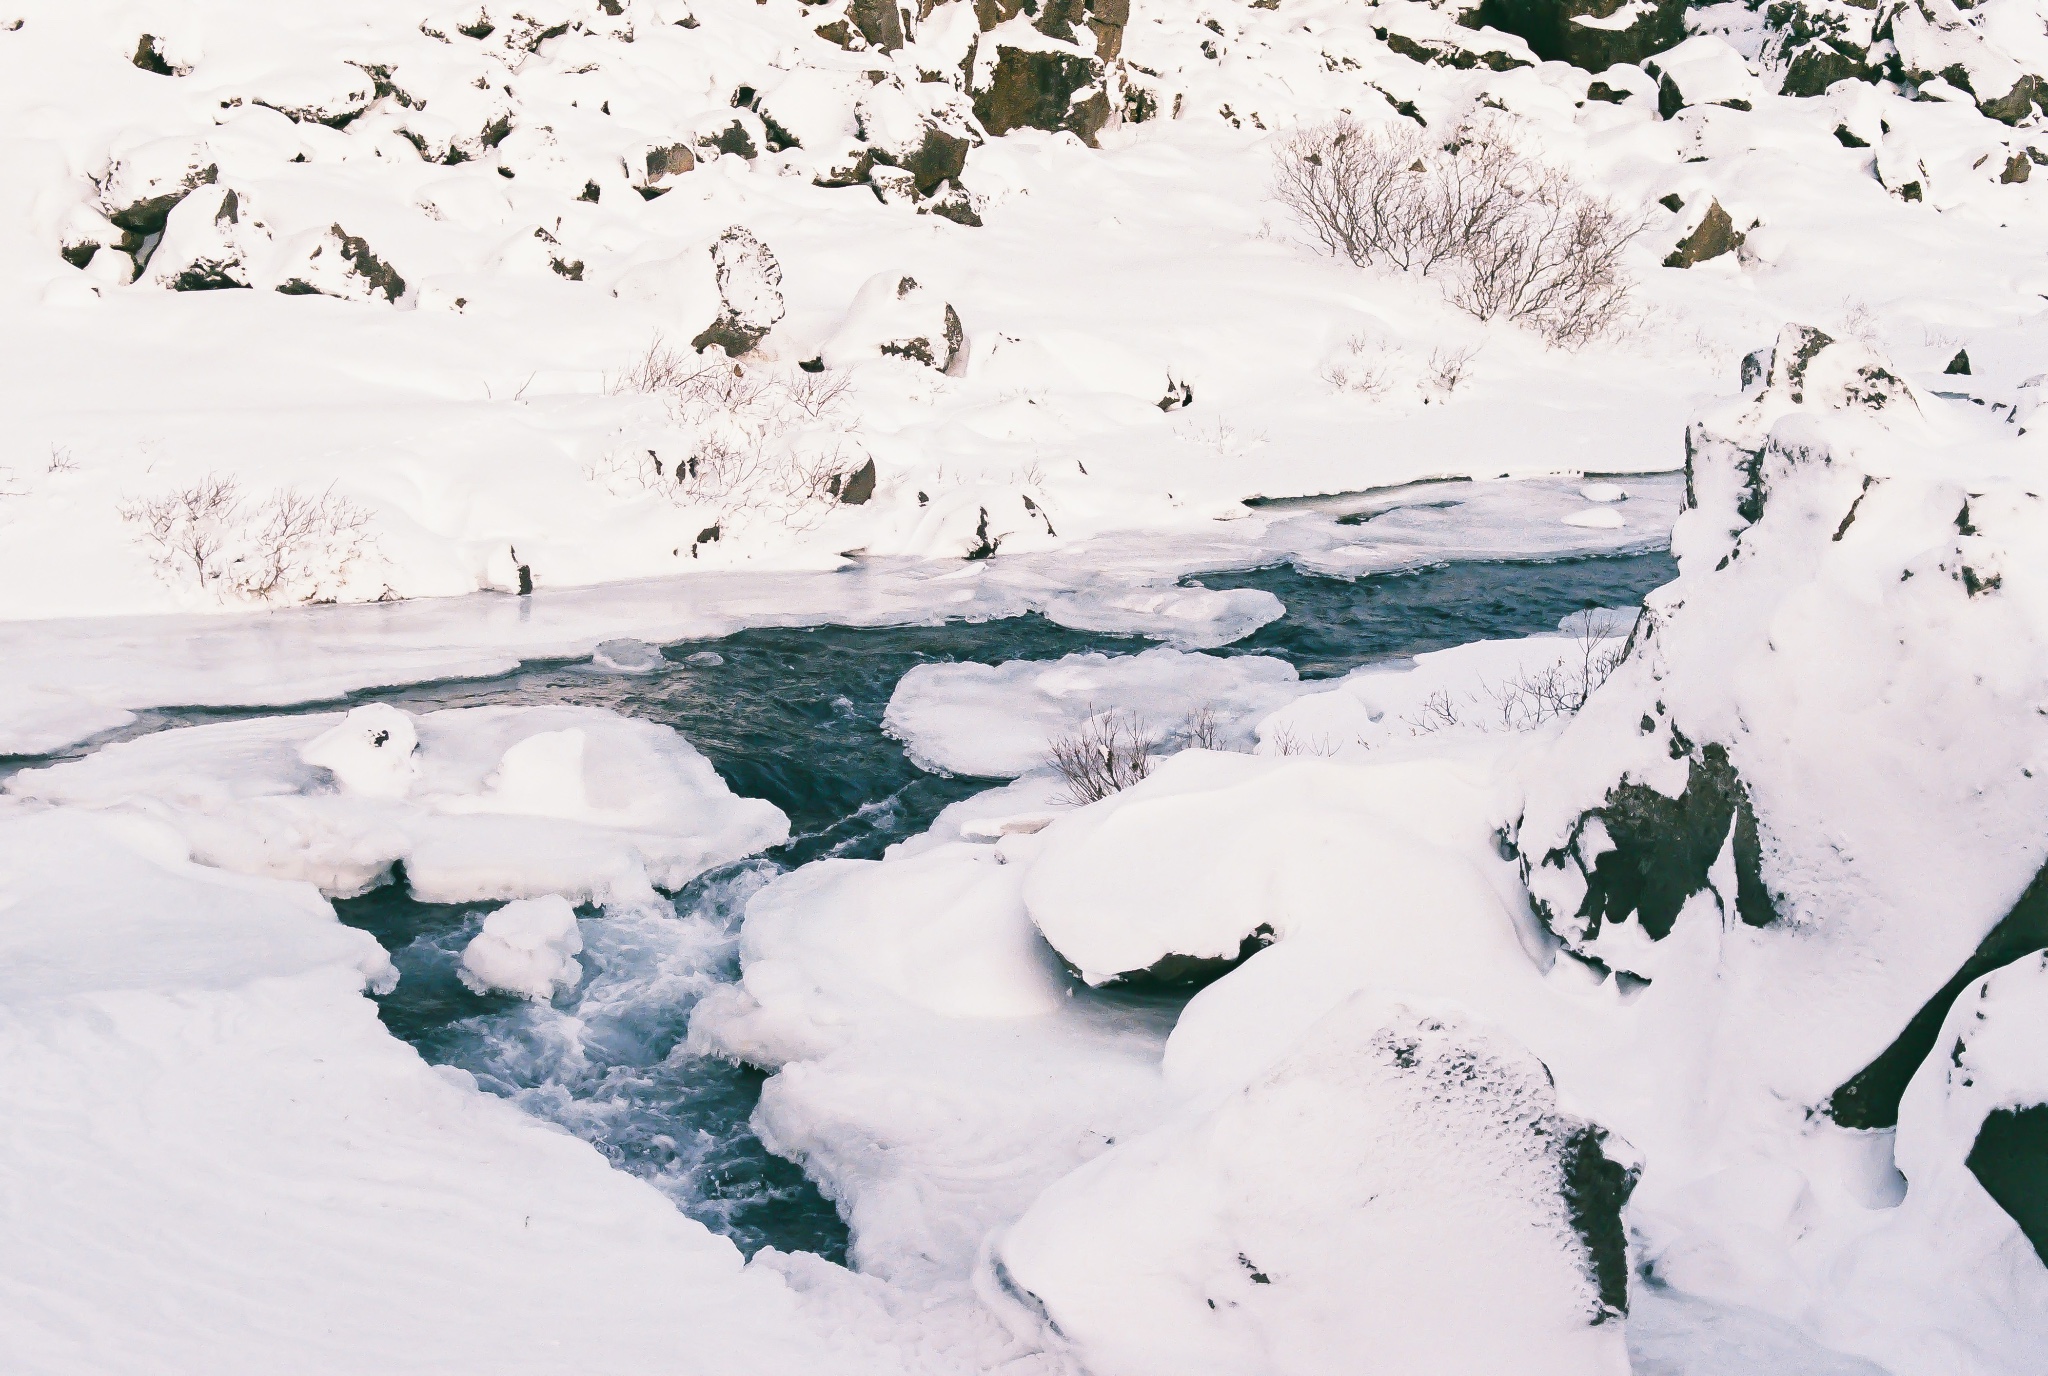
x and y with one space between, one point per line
1000 721
491 803
528 948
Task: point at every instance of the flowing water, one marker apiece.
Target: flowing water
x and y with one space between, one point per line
794 716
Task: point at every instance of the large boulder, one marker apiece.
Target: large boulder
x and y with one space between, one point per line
1021 79
1810 784
894 317
1590 34
1401 1188
1996 53
749 294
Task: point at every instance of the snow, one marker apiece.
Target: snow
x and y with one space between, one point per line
1395 1185
454 389
528 948
236 1168
1000 721
491 803
63 681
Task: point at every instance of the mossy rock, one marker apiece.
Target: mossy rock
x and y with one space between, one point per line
1715 235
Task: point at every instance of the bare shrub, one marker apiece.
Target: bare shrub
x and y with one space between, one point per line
1286 741
1201 730
1105 754
288 547
1532 697
1447 367
751 442
1553 265
1511 237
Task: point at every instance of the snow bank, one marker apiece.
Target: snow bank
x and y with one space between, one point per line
1217 854
526 948
931 1072
1000 721
474 803
1489 688
238 1170
1401 1184
1797 820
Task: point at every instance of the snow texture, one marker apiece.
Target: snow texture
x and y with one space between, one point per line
1399 1184
1000 721
489 803
528 948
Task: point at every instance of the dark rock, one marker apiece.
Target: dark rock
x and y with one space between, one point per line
984 545
953 204
860 488
1600 90
1173 971
150 59
1870 1098
707 536
1816 48
1662 849
1959 366
1037 90
1715 235
1673 203
380 275
1546 25
1847 139
1439 53
941 158
736 139
2010 1160
879 23
1596 1189
672 161
2017 104
2017 169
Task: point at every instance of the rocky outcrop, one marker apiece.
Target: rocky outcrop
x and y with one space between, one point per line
1590 34
1396 1171
1714 235
1036 87
749 294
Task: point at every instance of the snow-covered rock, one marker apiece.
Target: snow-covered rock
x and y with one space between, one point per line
528 948
893 316
1000 721
473 803
1401 1184
1799 813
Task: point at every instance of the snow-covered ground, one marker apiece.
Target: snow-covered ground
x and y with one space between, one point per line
1663 994
455 386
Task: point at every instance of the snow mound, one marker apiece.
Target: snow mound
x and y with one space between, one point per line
1401 1184
528 948
1799 822
370 754
254 1119
474 803
1184 618
999 721
1181 876
928 1065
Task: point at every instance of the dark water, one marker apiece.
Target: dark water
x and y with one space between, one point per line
794 716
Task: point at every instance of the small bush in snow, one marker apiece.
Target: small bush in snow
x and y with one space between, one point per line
1534 696
1105 754
288 547
1510 237
753 442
